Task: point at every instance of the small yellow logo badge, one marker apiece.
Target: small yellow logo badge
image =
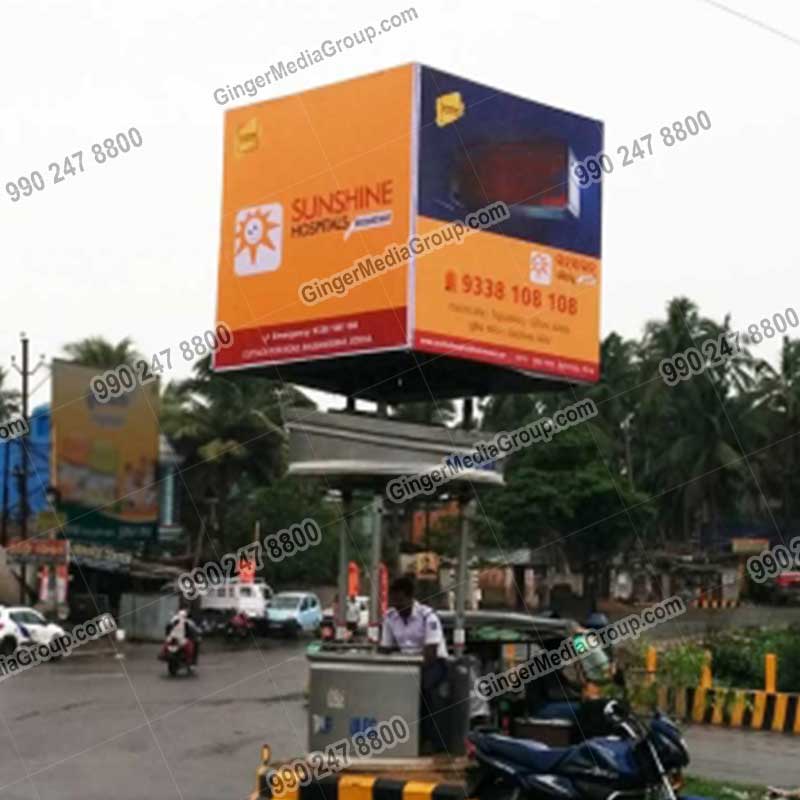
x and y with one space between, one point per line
248 137
449 108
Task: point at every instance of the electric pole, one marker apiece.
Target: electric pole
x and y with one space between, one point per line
23 471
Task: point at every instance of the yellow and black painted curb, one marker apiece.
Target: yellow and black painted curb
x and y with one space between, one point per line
733 708
355 786
709 602
347 786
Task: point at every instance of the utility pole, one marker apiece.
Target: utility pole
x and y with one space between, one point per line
4 514
23 473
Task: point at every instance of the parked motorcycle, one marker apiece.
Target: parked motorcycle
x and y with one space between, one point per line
636 762
176 655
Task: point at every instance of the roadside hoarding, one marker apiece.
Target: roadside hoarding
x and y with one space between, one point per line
104 459
38 551
299 173
334 201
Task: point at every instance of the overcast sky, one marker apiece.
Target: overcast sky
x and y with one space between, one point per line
129 247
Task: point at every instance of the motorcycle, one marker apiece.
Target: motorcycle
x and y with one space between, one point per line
635 762
240 628
177 655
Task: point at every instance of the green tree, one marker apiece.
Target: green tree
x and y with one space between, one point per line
285 502
228 429
562 494
95 351
693 435
777 398
9 399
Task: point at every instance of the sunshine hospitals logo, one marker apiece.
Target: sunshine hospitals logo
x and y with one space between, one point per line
258 239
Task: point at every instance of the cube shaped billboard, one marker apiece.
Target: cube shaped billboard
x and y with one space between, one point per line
413 211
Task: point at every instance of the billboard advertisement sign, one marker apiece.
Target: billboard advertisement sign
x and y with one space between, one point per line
104 459
411 210
38 551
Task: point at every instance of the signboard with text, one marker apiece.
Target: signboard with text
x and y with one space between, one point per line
38 551
104 459
411 210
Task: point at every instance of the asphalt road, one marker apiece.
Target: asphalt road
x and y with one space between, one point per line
95 727
92 727
758 757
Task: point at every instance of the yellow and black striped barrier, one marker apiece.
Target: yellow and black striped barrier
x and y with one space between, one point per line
733 708
356 786
348 786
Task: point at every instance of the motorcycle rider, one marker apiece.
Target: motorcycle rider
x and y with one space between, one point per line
183 628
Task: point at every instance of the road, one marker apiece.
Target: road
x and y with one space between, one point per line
757 757
95 727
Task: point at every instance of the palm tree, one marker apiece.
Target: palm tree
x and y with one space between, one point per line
228 428
698 427
617 396
778 397
95 351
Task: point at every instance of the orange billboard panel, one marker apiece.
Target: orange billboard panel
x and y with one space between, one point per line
314 184
411 210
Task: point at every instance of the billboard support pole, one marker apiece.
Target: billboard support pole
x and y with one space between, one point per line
375 620
344 560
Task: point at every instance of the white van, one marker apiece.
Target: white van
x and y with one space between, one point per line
233 597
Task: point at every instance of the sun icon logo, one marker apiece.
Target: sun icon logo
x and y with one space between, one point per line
258 239
541 267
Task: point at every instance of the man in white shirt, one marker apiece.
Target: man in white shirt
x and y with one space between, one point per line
353 614
414 629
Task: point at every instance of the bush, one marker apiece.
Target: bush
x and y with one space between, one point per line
738 659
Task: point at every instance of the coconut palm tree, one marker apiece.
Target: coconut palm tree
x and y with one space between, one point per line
778 398
95 351
229 430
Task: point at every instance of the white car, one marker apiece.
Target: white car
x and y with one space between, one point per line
21 626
